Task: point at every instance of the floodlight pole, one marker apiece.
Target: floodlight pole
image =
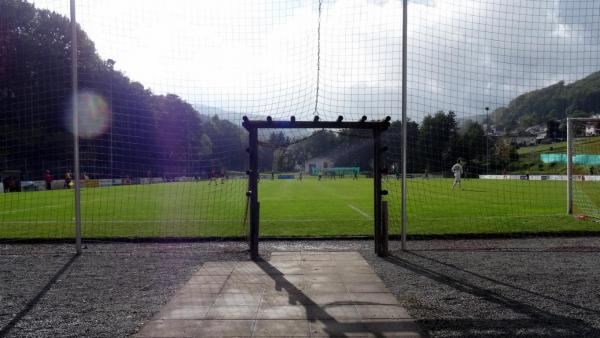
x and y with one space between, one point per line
74 81
404 122
569 166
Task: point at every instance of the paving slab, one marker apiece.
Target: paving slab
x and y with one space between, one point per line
295 294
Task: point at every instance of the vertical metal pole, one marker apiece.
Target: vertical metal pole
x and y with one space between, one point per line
487 144
404 121
377 189
253 187
569 166
74 81
384 229
111 63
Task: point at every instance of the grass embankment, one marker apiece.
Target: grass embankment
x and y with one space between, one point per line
530 162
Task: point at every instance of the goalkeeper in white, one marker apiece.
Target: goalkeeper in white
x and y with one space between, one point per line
457 169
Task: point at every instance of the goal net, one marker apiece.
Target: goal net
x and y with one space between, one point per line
163 88
316 182
583 157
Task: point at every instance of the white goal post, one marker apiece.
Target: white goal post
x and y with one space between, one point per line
572 136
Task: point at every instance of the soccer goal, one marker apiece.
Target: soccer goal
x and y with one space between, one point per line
380 230
583 167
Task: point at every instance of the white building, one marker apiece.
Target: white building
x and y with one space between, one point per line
592 128
523 139
316 164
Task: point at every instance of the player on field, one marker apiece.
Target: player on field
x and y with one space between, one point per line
457 169
48 179
213 177
68 179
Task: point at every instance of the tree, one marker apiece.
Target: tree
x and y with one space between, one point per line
473 147
438 140
161 134
553 129
503 155
393 139
205 146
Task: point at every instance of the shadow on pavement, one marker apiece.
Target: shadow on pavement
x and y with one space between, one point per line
332 326
5 330
537 322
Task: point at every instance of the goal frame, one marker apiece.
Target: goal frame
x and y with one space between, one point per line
380 209
570 138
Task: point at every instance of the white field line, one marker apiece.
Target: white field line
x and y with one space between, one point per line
364 214
31 208
46 206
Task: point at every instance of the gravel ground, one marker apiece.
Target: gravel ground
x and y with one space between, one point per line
544 287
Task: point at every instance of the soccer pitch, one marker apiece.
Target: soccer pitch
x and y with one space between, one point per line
341 207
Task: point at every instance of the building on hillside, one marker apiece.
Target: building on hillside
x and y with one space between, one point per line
592 128
546 134
536 130
542 137
316 164
497 132
522 139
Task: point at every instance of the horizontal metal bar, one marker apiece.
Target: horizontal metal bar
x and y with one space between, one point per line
381 125
584 119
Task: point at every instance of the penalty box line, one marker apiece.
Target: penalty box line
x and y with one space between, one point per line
364 214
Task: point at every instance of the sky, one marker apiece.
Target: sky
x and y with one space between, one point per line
281 58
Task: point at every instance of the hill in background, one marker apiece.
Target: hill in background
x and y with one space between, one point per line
558 101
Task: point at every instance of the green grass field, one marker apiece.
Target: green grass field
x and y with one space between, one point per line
290 208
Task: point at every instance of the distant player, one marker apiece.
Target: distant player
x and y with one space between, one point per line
48 179
213 177
457 169
301 174
68 179
355 177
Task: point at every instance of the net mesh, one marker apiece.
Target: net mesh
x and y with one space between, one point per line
586 162
164 87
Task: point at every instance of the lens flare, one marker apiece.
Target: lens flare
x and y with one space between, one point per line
94 115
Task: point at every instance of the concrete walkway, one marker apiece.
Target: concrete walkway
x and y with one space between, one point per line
295 294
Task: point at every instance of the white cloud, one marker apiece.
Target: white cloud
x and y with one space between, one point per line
261 56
